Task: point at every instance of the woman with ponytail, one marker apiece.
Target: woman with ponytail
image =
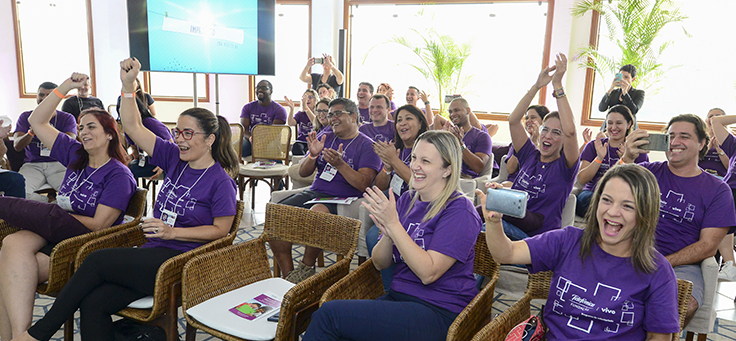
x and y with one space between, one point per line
195 205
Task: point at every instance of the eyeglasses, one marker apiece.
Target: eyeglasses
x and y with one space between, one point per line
263 87
187 134
322 111
555 132
337 114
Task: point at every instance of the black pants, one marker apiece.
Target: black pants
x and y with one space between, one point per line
106 283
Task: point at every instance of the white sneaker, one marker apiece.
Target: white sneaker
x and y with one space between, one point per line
728 272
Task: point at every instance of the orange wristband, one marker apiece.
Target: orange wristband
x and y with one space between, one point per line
58 93
30 133
597 160
127 95
621 162
312 158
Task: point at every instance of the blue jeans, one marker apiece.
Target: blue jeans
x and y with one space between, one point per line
514 233
371 239
13 184
247 148
394 316
583 201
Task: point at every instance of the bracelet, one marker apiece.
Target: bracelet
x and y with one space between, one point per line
30 133
58 93
426 103
620 162
558 93
386 170
127 95
597 160
312 158
463 147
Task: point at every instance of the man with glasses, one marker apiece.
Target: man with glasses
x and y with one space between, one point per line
381 129
261 111
476 144
39 168
346 165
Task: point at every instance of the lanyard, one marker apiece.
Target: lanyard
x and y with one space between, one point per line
332 145
168 196
75 187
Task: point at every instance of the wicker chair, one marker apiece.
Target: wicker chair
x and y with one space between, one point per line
218 272
167 291
365 283
270 142
538 288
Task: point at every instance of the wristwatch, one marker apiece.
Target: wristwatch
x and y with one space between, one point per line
559 92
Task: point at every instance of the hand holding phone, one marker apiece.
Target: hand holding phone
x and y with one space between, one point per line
619 77
507 201
319 60
660 142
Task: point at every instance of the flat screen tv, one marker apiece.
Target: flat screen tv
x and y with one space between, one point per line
203 36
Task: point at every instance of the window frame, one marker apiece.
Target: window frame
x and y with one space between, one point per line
588 99
495 116
205 99
252 80
19 52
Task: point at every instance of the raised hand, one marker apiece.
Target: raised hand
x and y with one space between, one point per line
129 70
333 157
424 97
491 217
315 145
76 81
587 135
601 148
382 210
289 103
560 69
544 77
386 151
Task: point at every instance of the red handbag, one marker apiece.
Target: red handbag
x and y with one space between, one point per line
532 329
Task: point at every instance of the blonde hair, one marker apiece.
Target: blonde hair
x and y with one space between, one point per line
646 194
449 148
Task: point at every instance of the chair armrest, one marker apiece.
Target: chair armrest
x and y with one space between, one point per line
5 230
365 224
215 273
306 293
500 326
124 238
363 283
473 317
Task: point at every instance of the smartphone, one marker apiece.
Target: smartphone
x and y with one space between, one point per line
506 201
450 98
319 60
273 318
660 142
619 76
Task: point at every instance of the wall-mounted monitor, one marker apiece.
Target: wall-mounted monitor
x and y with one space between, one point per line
203 36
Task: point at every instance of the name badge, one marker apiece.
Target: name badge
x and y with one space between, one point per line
65 202
329 173
142 160
168 217
396 183
45 151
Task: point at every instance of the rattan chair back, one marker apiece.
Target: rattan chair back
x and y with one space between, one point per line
271 142
236 139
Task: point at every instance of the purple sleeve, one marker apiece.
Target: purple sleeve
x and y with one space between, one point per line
64 149
642 158
279 112
118 188
22 126
165 154
158 128
526 151
484 145
223 198
589 153
368 157
720 212
69 124
728 146
245 112
456 230
545 249
660 308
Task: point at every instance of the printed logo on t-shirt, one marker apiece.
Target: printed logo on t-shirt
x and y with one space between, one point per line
674 207
534 185
380 137
600 310
176 198
261 118
416 232
84 196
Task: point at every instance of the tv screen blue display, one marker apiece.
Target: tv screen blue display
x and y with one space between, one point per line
203 36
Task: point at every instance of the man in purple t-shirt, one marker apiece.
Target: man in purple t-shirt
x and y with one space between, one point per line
381 129
696 208
261 111
476 144
365 91
346 165
39 168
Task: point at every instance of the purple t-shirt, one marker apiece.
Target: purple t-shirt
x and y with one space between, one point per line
602 297
512 176
156 127
405 156
365 116
111 185
384 133
477 142
712 161
324 130
589 154
729 147
303 126
453 233
548 184
358 153
259 114
197 196
63 122
688 205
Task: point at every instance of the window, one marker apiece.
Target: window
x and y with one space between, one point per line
704 77
292 50
40 58
498 61
175 86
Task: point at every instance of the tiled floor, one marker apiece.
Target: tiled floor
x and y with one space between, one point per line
725 328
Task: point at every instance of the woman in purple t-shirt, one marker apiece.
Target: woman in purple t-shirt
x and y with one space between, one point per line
608 280
546 171
197 201
302 120
320 123
429 234
94 194
599 156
